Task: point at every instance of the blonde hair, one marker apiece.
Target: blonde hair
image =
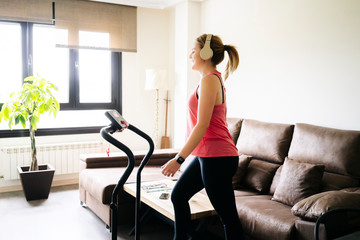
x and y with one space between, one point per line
219 49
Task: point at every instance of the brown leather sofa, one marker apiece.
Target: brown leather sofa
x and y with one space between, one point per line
288 176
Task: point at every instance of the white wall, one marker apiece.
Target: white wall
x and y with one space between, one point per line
139 106
185 28
299 60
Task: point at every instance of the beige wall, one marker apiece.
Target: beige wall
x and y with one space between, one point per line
300 59
139 105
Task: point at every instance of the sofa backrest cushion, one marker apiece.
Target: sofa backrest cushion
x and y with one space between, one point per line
119 159
259 175
263 140
338 150
234 126
333 181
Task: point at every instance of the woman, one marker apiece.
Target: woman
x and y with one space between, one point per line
208 139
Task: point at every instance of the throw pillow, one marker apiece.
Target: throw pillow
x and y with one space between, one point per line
316 205
298 180
240 172
259 175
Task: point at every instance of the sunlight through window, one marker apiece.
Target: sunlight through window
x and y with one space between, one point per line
50 62
10 59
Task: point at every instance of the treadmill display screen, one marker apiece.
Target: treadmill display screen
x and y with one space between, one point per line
117 120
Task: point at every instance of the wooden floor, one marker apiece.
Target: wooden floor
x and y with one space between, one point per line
61 217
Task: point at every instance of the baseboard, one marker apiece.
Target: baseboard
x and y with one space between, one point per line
10 189
55 183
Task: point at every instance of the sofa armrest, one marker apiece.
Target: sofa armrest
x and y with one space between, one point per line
119 159
316 205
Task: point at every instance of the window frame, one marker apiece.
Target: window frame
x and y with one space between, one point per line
74 90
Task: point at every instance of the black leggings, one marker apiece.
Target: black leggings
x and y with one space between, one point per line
215 174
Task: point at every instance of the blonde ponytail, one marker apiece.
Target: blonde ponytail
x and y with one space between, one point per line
233 62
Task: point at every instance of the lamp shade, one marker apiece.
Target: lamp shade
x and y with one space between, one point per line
156 79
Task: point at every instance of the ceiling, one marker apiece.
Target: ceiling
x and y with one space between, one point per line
157 4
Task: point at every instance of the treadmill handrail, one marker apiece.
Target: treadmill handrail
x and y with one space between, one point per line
105 133
131 159
138 177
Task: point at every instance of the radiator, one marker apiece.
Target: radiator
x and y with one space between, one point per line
63 157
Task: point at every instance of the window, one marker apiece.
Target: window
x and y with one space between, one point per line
89 80
49 61
10 49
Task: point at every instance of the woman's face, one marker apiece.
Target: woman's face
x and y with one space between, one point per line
195 57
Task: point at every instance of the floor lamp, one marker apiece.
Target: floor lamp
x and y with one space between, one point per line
165 140
156 80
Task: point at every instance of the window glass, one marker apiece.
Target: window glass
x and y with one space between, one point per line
94 69
85 77
10 59
50 62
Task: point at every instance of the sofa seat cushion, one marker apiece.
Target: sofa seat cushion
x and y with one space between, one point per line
100 182
263 219
244 192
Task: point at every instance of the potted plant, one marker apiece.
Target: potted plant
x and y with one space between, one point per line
25 106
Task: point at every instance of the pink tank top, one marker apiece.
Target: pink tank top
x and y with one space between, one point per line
217 141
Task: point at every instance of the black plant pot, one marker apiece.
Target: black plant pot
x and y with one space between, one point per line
36 184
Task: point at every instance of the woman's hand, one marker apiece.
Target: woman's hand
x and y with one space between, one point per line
170 168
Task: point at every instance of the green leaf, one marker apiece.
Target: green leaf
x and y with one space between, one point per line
10 123
57 104
42 108
28 98
17 119
6 112
54 112
23 121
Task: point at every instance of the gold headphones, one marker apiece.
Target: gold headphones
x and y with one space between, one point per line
206 52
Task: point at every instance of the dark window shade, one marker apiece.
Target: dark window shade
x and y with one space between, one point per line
116 20
36 11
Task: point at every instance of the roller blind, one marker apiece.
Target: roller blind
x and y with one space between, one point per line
36 11
95 25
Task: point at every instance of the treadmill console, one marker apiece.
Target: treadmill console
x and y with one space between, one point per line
116 119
